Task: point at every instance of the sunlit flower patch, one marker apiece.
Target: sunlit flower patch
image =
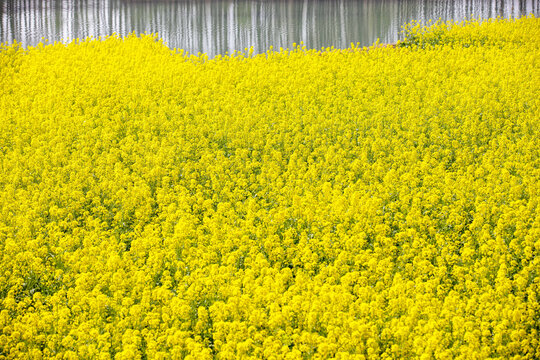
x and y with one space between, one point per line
299 204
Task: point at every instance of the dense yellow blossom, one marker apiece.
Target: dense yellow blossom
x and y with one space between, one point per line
298 204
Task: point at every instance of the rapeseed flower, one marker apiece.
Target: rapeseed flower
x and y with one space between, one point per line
296 204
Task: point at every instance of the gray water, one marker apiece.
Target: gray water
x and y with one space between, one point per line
219 26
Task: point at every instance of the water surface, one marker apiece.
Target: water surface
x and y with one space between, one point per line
217 26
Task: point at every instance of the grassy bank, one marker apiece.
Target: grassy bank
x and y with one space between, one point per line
295 204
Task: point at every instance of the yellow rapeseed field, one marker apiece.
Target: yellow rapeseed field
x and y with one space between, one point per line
299 204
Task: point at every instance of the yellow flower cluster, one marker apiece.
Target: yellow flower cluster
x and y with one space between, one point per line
297 204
